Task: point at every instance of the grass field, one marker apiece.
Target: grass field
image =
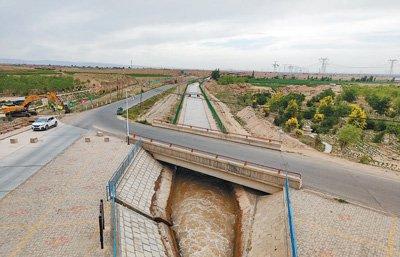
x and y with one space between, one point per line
281 82
389 90
273 82
34 84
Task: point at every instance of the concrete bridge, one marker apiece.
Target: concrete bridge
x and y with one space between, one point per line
256 176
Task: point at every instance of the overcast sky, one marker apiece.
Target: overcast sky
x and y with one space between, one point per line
233 34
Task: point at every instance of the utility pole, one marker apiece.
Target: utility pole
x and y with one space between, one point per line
392 61
324 62
290 67
275 65
127 116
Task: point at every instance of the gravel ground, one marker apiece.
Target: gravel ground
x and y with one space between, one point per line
55 212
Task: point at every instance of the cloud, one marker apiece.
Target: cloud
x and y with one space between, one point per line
233 34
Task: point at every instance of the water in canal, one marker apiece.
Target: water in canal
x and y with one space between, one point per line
204 215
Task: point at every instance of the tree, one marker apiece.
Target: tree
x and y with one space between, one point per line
292 123
349 94
292 109
349 134
318 117
323 94
396 105
379 104
325 106
215 75
357 116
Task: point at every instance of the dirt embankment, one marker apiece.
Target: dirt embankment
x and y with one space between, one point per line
161 109
264 128
229 121
308 91
165 108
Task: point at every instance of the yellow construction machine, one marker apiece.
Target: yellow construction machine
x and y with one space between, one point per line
21 109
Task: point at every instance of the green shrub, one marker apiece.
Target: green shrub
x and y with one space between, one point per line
215 74
325 125
393 128
349 134
342 109
262 98
379 103
309 112
349 94
323 94
378 137
366 159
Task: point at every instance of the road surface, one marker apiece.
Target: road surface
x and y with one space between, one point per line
20 161
348 181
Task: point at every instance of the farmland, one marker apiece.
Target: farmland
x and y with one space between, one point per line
35 83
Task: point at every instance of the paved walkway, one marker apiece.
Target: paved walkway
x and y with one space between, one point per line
327 227
139 236
55 212
137 185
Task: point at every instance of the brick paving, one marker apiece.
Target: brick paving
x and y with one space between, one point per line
139 236
55 212
326 227
137 185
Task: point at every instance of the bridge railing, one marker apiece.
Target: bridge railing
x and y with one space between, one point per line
235 137
290 220
281 173
111 190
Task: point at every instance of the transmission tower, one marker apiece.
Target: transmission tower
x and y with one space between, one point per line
324 62
392 61
275 65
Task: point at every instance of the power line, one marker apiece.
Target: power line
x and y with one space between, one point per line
324 62
275 65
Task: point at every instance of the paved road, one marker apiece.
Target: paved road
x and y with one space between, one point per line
347 181
20 161
105 118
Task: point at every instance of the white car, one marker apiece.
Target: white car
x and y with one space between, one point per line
44 123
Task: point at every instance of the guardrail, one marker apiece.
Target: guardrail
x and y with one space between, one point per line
213 111
111 190
290 219
236 166
234 137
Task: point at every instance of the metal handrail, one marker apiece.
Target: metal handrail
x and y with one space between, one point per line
292 230
113 182
219 132
111 189
218 156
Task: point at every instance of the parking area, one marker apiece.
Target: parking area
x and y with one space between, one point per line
21 159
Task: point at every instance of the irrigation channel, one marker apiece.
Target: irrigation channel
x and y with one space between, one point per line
205 213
